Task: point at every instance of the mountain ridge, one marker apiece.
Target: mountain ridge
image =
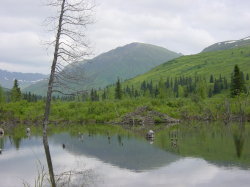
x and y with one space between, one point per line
229 44
24 79
124 62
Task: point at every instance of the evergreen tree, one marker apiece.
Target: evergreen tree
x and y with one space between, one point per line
220 79
225 83
175 89
167 83
211 79
15 92
171 83
136 93
104 95
157 92
217 87
237 82
143 86
247 77
93 95
35 98
132 91
242 76
2 95
210 93
118 90
96 96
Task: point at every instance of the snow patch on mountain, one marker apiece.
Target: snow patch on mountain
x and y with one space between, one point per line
229 42
247 38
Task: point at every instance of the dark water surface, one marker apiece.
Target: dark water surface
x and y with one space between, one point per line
185 155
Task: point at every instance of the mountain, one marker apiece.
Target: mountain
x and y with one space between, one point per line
123 62
5 89
123 158
24 79
204 64
228 45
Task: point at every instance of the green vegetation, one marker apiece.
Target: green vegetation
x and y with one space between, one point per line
213 142
238 83
118 90
190 87
203 64
215 108
93 95
15 92
2 95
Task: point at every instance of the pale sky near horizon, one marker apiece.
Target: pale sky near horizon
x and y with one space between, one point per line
185 26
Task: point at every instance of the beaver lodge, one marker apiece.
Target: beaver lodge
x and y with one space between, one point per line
145 116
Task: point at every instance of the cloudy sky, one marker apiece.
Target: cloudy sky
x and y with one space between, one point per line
185 26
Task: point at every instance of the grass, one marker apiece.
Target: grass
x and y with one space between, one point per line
24 112
203 64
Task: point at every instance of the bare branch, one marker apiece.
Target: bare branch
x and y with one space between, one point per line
73 16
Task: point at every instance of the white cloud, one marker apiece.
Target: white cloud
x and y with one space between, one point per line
27 68
22 48
185 26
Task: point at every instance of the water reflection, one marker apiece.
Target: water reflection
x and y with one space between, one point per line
120 159
224 145
1 145
239 139
132 153
119 138
173 135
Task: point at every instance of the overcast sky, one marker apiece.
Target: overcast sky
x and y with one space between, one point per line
185 26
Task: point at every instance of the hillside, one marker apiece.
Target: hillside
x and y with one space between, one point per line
24 79
123 62
228 45
6 89
205 64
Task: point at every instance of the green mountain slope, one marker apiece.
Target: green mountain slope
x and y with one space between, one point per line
228 45
123 62
205 64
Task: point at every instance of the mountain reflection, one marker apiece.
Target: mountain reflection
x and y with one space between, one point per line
130 153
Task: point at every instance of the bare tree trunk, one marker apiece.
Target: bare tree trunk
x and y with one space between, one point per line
48 101
69 44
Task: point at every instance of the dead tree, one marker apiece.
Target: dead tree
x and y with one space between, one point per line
69 47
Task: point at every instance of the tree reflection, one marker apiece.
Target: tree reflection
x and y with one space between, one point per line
1 144
119 138
239 140
17 141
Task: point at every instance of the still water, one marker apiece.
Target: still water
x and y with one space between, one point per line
183 155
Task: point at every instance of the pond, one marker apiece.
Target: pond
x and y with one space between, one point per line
101 155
